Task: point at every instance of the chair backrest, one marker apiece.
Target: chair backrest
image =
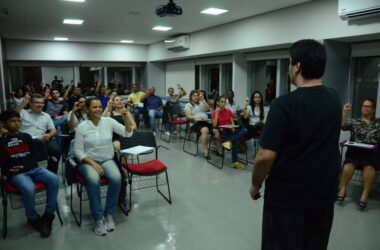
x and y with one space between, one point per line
174 109
40 150
138 139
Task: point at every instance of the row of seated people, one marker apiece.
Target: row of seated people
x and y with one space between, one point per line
92 147
222 123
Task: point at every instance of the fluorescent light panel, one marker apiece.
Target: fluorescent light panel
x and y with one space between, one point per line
127 41
169 41
214 11
61 38
79 1
162 28
73 21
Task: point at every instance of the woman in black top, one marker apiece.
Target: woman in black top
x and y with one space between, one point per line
114 107
363 130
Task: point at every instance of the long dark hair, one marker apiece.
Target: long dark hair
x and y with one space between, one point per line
252 101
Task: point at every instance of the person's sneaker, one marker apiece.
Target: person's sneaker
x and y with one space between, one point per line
110 223
227 145
154 133
167 133
100 227
239 165
46 223
36 223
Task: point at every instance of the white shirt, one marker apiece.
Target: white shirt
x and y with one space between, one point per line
197 110
254 117
96 141
35 124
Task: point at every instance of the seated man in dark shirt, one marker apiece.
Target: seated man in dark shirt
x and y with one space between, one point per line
153 105
17 160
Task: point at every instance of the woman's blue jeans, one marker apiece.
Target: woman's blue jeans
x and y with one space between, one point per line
92 179
234 137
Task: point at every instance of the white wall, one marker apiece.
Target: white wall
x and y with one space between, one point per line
180 72
24 50
156 77
48 74
317 20
239 78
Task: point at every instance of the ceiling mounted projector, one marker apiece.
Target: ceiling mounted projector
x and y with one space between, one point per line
171 9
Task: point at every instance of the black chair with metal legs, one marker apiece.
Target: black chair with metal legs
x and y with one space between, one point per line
191 138
147 174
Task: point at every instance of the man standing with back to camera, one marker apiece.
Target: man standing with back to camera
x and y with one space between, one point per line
300 155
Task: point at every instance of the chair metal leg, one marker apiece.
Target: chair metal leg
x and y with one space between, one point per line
168 199
209 150
79 190
5 215
187 137
59 215
130 192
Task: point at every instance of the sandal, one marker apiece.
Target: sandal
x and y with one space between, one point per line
362 205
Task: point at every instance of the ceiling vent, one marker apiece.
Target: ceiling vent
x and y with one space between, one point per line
358 9
178 43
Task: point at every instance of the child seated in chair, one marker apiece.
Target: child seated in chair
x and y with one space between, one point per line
17 157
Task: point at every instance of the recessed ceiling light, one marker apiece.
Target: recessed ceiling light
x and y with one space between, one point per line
79 1
61 38
161 28
127 41
213 11
169 41
73 21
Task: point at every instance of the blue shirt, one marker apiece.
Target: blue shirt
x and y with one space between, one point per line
153 102
104 100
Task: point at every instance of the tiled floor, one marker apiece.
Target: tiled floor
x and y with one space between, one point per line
211 210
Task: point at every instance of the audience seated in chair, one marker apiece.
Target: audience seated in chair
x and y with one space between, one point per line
134 99
256 113
93 148
223 116
195 112
363 130
173 101
39 124
18 162
153 106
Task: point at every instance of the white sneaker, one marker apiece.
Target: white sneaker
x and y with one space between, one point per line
110 223
100 227
154 133
167 133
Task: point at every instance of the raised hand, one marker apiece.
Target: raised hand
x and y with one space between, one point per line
347 107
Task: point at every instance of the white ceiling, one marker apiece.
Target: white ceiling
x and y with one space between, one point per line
109 21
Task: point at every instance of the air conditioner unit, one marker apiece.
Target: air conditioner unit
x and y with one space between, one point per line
178 43
357 9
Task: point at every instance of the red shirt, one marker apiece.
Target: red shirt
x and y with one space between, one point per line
224 117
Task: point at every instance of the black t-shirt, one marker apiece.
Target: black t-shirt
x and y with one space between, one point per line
303 127
17 150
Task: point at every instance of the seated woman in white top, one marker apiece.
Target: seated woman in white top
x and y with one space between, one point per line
195 112
93 147
256 113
